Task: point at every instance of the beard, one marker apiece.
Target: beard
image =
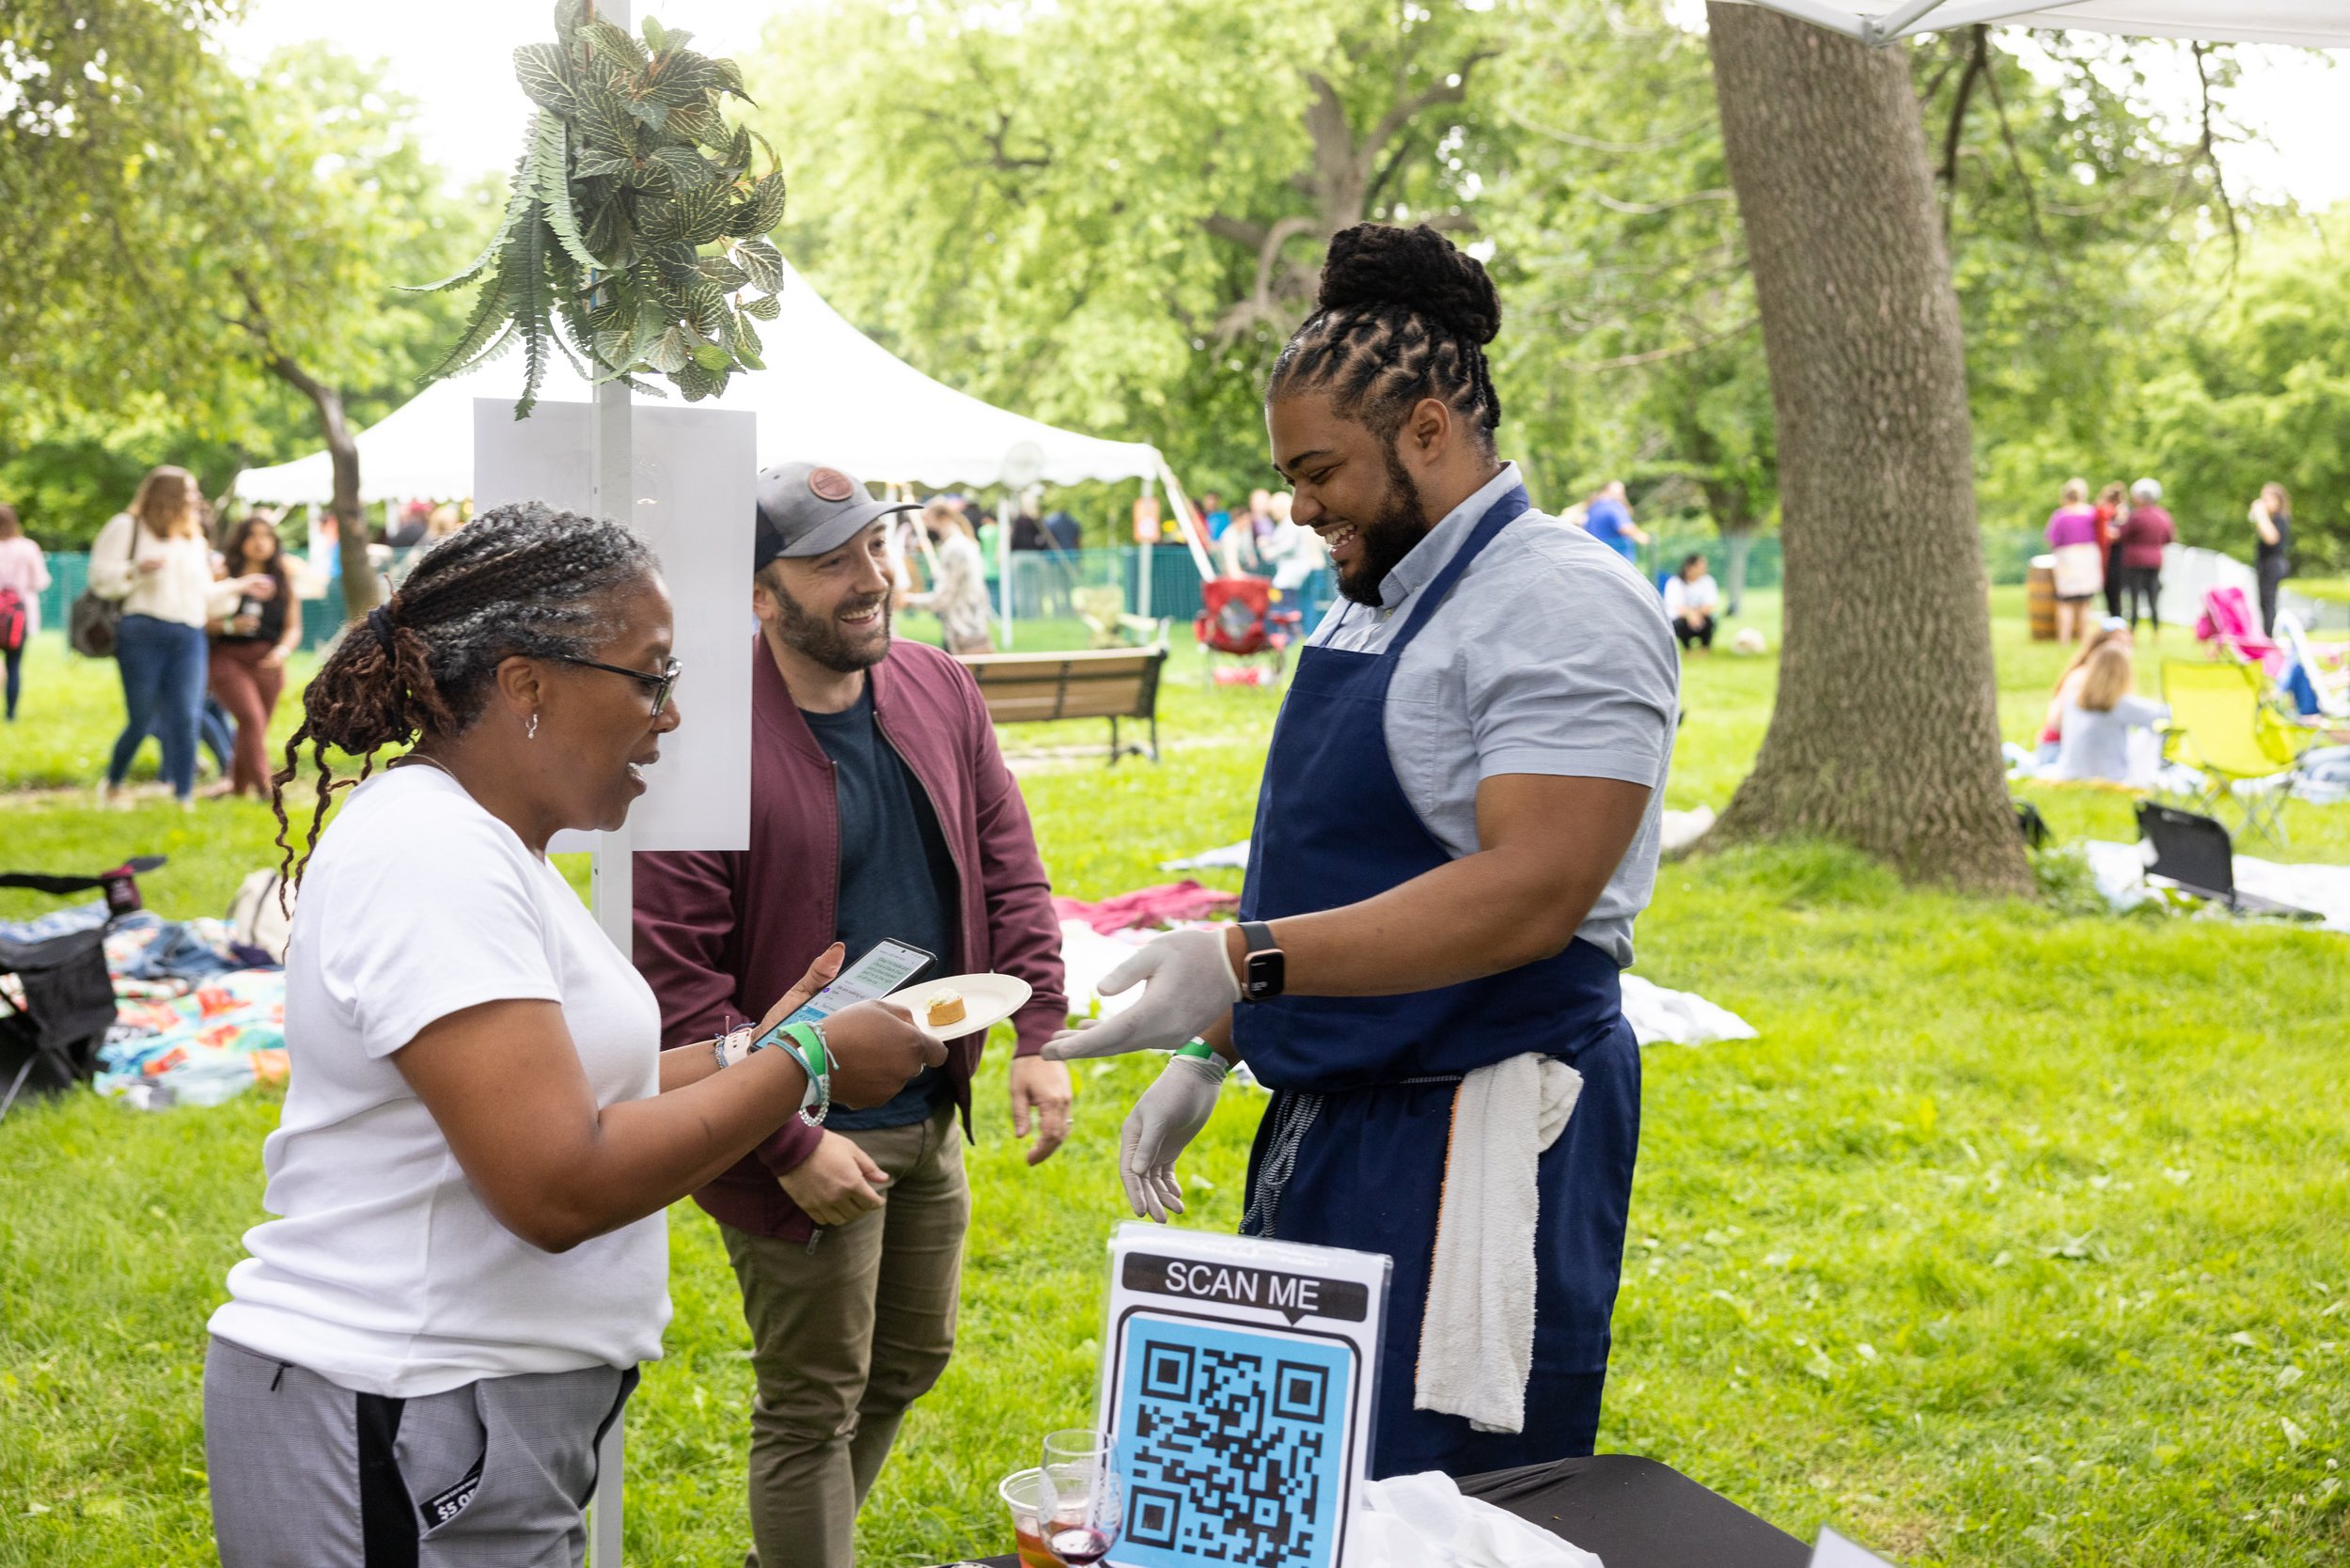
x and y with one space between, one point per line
1386 538
823 640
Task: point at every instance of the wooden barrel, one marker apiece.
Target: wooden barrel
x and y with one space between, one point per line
2040 598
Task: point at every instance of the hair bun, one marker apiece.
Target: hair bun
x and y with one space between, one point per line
1377 263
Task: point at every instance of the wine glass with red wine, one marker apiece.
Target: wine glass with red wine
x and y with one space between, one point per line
1083 1503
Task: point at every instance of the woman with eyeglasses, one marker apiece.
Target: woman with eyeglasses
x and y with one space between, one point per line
469 1258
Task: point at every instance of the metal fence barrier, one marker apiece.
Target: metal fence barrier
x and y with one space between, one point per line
1159 581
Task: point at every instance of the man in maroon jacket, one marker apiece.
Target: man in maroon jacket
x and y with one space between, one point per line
880 809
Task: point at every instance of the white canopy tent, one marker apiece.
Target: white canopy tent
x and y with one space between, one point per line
831 394
2314 23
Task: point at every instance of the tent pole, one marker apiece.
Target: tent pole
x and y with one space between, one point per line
1003 565
1142 562
1887 28
1966 14
611 460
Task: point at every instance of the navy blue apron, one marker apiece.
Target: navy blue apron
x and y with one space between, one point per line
1352 1150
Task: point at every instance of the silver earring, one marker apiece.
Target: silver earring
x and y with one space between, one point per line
532 733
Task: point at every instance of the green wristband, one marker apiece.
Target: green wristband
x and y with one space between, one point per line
811 1051
1199 1048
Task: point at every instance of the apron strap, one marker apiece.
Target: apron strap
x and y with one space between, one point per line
1497 517
1294 1116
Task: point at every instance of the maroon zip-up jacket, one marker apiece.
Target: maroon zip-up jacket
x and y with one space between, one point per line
721 936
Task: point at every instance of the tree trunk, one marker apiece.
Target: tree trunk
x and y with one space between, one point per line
1741 544
1886 732
351 529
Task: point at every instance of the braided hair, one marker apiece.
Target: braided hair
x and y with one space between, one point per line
521 580
1403 314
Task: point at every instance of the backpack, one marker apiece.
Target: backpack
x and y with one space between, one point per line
90 625
13 621
255 918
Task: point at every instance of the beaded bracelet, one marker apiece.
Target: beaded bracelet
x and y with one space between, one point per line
805 1043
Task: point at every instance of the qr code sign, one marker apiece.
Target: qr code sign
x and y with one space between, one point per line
1232 1443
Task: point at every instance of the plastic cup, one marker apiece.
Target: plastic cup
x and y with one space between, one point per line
1023 1492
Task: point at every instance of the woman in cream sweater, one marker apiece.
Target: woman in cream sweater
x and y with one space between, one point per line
155 561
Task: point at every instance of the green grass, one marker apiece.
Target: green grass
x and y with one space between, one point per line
2018 1237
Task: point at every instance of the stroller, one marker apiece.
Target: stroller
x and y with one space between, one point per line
56 1000
1237 617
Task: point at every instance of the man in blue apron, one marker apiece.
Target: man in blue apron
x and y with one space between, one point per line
1457 825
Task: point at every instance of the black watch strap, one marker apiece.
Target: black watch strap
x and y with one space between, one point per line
1264 970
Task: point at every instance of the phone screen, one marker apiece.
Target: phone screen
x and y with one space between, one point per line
885 968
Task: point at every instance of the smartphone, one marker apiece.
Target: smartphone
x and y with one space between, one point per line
885 968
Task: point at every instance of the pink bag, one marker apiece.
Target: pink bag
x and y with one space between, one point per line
2227 620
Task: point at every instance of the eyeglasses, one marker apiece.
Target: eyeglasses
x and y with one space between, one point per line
661 685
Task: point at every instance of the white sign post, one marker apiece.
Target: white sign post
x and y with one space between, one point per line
686 480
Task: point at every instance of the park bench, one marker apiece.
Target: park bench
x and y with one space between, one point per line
1112 683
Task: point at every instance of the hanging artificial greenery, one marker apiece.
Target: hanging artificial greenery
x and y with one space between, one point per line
634 221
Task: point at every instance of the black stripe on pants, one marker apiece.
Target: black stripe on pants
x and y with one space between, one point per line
387 1519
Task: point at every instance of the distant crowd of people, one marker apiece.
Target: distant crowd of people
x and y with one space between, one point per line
2113 548
1259 538
194 621
201 616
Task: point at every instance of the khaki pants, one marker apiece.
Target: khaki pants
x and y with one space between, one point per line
846 1333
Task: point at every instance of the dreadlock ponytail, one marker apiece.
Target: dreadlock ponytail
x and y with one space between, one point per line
1402 314
522 580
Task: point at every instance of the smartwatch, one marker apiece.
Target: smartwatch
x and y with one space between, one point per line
1264 970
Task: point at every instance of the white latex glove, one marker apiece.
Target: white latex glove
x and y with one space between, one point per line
1160 1126
1191 985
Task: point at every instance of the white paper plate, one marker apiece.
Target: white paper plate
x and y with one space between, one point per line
987 1001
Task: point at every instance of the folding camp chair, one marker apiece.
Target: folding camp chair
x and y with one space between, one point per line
56 1015
1237 617
2228 625
1107 622
2329 670
2224 725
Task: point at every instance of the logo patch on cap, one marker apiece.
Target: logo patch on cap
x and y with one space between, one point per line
830 484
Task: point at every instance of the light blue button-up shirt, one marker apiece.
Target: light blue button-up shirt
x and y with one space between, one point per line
1551 655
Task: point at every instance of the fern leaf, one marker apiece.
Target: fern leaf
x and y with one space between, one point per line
530 316
554 193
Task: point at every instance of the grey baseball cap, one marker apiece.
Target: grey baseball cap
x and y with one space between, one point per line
806 509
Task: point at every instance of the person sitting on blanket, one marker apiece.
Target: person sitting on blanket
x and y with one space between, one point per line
2100 719
2068 686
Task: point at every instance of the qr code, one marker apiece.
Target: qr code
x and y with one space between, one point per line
1233 1445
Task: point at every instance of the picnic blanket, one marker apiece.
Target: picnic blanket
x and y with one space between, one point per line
2121 873
198 1016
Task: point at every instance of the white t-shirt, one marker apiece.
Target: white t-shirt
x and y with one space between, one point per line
385 1275
1681 594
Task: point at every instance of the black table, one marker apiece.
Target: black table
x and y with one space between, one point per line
1633 1512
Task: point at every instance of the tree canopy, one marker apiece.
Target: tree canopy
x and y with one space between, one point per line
205 233
1108 213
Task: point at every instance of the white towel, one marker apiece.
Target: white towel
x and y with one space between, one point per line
1476 1333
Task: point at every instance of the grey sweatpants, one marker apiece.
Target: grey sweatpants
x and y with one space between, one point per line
305 1474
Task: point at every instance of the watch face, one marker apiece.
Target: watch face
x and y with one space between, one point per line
1266 974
